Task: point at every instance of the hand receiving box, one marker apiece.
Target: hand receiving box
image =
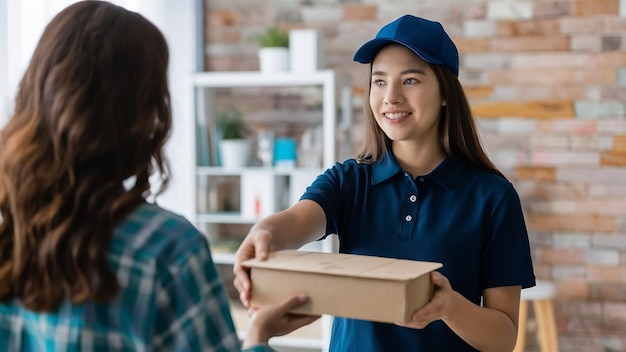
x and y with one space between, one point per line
347 285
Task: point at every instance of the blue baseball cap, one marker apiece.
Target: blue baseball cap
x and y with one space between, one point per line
425 38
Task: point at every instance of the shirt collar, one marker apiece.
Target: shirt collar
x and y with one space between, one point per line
446 173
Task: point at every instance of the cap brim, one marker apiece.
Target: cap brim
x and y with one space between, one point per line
366 53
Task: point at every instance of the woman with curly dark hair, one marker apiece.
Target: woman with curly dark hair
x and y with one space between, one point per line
86 263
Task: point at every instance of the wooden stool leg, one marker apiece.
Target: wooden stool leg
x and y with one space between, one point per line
546 325
552 341
540 320
521 326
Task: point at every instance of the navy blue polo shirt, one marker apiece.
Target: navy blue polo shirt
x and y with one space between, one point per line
469 220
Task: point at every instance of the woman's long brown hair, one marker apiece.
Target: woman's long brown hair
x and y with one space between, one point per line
457 130
92 111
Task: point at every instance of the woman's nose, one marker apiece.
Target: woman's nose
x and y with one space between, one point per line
393 95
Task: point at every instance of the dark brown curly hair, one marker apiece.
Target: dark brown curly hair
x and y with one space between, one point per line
92 112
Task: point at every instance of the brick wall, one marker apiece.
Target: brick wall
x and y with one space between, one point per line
547 82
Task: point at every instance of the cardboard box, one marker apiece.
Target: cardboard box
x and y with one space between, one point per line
354 286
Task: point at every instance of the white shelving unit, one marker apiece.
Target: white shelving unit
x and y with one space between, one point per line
288 184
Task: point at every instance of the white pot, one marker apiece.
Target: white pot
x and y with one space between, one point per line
234 152
274 59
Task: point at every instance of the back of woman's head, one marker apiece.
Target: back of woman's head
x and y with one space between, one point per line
92 110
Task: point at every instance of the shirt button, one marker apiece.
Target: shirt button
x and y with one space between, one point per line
421 179
413 198
406 174
408 218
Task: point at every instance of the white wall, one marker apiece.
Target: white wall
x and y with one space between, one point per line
21 24
6 57
3 60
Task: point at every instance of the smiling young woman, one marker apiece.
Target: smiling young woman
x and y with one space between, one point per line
422 188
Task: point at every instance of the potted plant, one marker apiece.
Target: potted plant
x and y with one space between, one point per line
274 51
234 147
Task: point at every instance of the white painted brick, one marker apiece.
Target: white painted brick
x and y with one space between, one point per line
621 224
480 29
582 24
556 207
607 190
598 206
613 92
564 158
322 14
612 126
507 157
486 61
509 10
601 257
562 272
612 343
621 75
486 126
586 42
610 241
622 8
472 77
531 189
506 93
601 206
516 126
594 92
571 240
569 127
598 109
595 143
550 141
605 175
540 239
562 60
537 92
510 141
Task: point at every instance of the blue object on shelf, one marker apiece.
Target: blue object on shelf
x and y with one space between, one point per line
285 152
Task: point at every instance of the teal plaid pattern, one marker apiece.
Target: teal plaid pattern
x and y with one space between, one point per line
172 298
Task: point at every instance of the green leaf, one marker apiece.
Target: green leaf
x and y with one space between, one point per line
230 124
274 37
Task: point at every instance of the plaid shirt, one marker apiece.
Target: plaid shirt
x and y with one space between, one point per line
172 298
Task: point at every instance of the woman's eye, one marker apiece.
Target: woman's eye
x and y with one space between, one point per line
410 81
378 82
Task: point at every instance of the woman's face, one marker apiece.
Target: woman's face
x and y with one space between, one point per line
404 95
